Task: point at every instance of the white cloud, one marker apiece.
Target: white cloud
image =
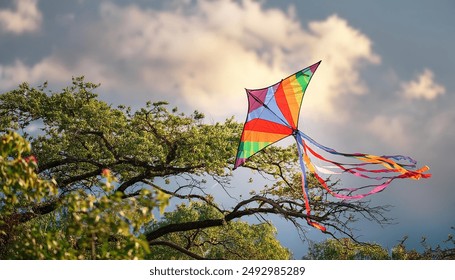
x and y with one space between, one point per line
54 70
25 17
49 68
206 54
392 130
214 50
423 87
342 49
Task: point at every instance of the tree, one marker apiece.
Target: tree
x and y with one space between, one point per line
155 152
444 251
83 225
234 240
21 189
347 249
107 226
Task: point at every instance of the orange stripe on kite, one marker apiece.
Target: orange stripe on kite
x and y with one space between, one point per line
282 102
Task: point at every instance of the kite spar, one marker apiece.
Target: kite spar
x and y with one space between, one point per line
273 114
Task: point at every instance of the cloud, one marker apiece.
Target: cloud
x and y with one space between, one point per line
203 55
208 59
343 50
54 70
49 68
25 17
423 87
392 130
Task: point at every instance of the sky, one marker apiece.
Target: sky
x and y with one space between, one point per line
385 84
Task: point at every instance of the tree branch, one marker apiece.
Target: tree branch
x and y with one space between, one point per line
176 247
80 177
235 214
122 188
184 196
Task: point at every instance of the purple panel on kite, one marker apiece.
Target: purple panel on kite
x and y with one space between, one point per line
270 110
239 162
256 98
313 67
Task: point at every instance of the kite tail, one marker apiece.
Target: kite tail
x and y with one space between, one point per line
305 188
391 168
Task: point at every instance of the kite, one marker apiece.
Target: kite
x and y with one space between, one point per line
273 114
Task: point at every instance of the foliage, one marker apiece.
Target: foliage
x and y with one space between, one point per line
444 252
85 224
103 225
21 188
83 134
347 249
234 240
153 154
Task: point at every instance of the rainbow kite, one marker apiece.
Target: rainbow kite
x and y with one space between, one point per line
273 114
